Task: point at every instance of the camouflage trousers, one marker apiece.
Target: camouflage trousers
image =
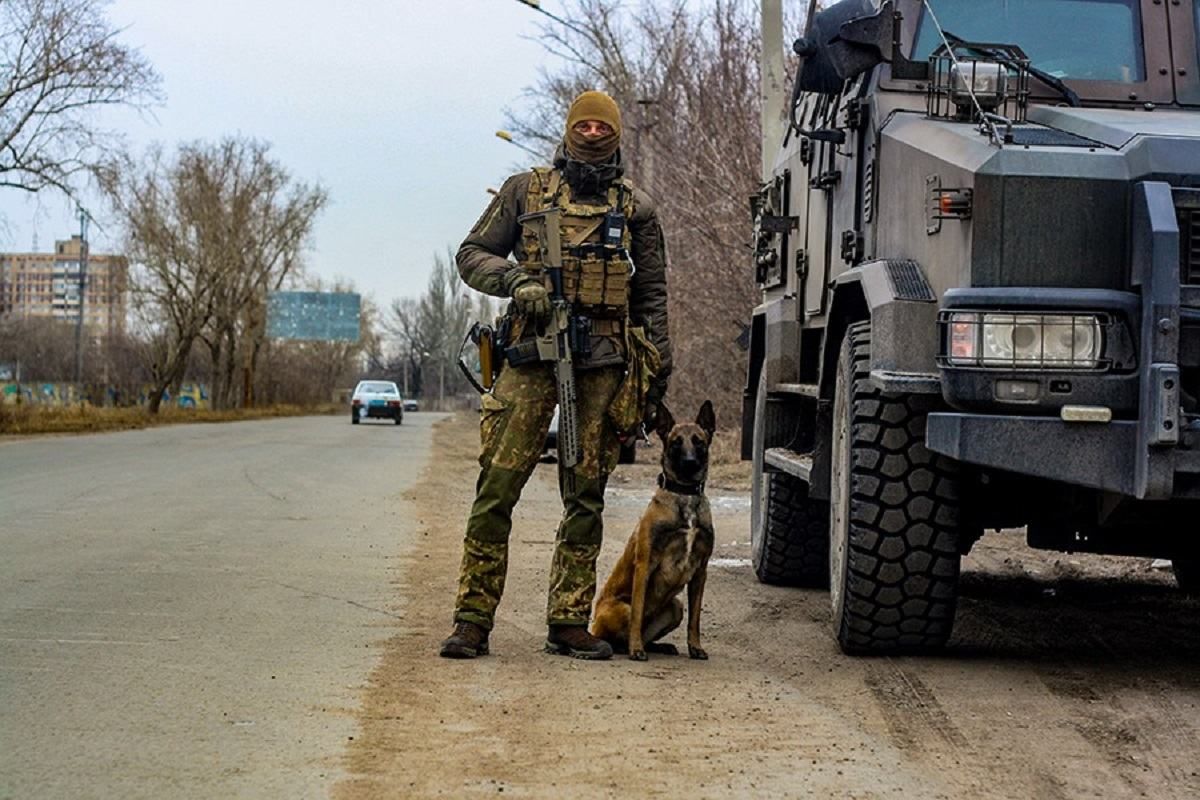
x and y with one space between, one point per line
514 420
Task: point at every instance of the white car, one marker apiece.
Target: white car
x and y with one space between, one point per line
376 399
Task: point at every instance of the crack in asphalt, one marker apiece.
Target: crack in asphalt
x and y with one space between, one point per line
354 603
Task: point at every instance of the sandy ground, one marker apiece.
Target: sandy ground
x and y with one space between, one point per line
1068 676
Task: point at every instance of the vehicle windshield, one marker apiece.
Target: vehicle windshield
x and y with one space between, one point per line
378 388
1090 40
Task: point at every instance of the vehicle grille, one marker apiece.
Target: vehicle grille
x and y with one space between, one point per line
1189 245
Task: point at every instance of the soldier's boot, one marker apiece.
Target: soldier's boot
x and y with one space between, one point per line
468 641
575 641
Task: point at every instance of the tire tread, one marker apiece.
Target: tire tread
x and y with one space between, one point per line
903 559
796 540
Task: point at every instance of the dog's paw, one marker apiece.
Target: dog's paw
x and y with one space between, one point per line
637 655
662 647
697 652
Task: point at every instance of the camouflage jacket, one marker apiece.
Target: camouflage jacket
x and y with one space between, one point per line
483 258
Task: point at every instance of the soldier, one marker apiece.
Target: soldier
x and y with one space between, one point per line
627 307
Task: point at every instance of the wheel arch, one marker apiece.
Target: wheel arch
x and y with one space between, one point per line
902 308
847 306
754 364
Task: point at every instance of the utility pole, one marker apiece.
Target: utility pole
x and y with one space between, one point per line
83 265
645 156
441 384
772 96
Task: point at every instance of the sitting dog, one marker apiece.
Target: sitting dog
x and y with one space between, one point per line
668 551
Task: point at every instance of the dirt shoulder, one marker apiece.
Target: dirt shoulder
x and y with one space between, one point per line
1067 677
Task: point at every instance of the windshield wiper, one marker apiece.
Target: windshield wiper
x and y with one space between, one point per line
1000 57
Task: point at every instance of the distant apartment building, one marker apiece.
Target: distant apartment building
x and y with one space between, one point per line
47 285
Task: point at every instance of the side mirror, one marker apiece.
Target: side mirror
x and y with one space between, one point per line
844 41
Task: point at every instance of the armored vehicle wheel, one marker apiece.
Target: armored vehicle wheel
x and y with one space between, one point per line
789 536
894 557
1187 574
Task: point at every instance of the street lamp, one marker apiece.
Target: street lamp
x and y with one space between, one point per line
508 137
536 5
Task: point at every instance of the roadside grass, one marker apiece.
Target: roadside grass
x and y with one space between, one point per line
23 420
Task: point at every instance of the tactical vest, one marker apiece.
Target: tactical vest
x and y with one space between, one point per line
595 278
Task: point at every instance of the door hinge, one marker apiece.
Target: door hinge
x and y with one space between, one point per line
801 264
855 113
806 150
826 180
852 246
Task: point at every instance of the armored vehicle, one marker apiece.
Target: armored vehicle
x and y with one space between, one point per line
979 254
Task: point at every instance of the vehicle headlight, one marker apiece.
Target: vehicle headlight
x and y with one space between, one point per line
1025 341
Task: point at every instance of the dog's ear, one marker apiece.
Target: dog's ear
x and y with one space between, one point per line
707 419
664 422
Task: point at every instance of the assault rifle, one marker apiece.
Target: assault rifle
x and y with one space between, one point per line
554 339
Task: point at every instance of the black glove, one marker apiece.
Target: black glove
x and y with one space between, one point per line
529 294
654 398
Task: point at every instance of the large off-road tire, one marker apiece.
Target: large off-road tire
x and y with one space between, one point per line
894 556
789 533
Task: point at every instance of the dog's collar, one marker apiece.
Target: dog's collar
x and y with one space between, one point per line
679 488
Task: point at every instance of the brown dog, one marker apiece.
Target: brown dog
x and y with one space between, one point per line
668 550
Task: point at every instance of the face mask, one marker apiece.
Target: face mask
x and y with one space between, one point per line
593 151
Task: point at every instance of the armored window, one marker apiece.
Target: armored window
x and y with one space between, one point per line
1090 40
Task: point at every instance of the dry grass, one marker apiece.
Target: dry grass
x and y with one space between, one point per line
21 420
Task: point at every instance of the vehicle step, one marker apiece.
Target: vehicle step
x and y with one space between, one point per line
789 461
804 389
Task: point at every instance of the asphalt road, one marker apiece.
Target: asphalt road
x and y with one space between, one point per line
191 611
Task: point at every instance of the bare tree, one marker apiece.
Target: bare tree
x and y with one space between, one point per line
268 219
62 59
38 348
686 77
209 232
430 329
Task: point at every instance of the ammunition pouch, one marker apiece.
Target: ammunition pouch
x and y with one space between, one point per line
596 267
521 353
580 337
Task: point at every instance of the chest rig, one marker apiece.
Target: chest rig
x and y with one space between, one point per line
595 244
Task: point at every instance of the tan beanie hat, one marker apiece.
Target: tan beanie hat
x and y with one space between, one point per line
598 106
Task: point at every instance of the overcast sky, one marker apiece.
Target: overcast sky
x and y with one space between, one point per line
391 104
